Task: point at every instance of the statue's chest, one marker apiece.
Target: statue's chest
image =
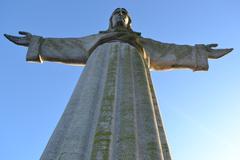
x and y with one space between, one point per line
116 49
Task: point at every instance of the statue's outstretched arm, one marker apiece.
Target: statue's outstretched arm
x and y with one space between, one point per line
173 56
22 41
216 53
73 51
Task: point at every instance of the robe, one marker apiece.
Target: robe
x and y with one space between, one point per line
113 112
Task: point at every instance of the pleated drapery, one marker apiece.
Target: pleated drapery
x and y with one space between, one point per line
113 112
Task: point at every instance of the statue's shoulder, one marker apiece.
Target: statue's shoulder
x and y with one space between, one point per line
152 42
92 36
148 41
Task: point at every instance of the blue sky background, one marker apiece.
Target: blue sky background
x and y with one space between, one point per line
201 110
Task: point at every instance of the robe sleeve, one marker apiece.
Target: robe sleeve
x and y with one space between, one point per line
172 56
73 51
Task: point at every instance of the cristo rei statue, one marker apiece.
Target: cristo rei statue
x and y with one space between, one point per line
113 112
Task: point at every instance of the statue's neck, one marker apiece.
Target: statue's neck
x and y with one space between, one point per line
120 29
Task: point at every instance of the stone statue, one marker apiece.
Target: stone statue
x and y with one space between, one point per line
113 112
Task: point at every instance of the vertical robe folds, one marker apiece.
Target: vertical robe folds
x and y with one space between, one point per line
113 112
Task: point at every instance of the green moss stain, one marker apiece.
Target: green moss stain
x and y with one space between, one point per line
131 67
150 148
103 133
127 137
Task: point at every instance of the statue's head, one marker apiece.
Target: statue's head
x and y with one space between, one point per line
120 20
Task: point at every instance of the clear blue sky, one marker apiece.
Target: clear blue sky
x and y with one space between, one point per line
201 110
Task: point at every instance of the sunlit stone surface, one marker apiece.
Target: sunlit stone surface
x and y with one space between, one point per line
113 112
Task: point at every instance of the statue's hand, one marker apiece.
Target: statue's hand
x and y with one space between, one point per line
23 41
216 53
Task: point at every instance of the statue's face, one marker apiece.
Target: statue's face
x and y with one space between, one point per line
120 18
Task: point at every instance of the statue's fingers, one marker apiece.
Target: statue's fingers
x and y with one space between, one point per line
217 53
7 36
16 39
227 50
24 33
212 45
11 38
